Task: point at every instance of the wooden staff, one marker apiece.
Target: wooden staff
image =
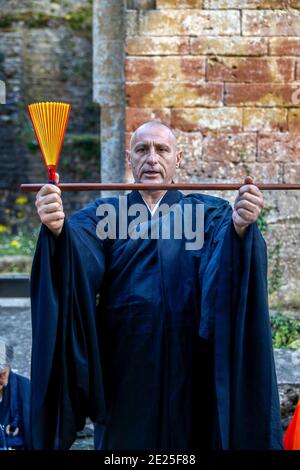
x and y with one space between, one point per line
155 186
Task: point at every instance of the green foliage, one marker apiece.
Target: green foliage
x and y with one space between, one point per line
23 243
275 278
284 330
92 117
6 21
31 19
243 162
80 153
35 20
86 146
262 221
81 19
13 212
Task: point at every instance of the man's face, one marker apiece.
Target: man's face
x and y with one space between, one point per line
153 155
4 374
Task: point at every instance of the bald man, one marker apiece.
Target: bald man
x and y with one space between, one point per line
150 311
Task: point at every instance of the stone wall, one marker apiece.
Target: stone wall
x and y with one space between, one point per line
223 74
46 55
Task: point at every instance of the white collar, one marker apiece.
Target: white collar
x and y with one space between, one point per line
153 210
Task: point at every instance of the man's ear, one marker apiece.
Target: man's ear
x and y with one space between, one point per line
128 154
178 158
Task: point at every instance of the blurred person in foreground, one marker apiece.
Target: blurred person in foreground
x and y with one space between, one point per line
14 403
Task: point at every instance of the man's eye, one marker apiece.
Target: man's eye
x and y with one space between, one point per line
141 149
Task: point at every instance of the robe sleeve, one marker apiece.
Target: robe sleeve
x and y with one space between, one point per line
66 375
235 314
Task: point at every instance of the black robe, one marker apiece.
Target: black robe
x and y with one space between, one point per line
14 411
178 353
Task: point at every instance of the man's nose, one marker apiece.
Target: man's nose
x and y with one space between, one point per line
152 156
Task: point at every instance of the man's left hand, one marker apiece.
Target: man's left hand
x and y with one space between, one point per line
247 207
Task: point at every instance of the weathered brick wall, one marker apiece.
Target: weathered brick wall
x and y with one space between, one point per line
46 54
223 74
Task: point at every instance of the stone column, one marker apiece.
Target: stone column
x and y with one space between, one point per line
109 39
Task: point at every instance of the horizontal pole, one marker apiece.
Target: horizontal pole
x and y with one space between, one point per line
157 187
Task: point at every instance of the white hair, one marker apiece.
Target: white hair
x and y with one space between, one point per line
6 353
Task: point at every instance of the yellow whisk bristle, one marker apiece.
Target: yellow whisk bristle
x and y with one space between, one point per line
49 122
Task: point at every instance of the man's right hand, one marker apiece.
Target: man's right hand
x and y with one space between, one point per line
50 208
